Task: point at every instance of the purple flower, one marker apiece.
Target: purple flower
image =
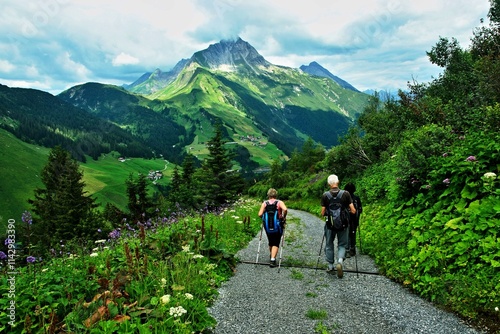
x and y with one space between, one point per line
30 259
446 181
471 158
115 234
99 230
26 217
3 256
445 155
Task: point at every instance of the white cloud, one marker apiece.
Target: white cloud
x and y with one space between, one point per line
375 44
72 68
6 66
124 59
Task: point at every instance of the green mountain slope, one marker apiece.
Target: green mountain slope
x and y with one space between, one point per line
148 120
20 167
21 164
40 118
286 105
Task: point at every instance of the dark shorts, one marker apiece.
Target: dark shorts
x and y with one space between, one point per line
274 239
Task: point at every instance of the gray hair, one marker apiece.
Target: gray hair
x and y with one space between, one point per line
333 179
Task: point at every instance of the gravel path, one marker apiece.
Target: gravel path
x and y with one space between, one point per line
260 299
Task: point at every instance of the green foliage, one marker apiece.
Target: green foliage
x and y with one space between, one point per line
316 314
321 328
413 155
63 210
219 182
139 203
158 279
305 161
450 229
298 275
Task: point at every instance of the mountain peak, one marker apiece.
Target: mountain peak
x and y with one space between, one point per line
316 69
229 55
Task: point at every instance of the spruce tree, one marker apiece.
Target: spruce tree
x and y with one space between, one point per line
139 203
62 209
219 183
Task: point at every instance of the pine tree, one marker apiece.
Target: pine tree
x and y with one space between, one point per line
219 183
62 208
139 203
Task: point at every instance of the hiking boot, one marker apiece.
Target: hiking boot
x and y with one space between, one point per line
352 252
340 271
272 263
329 270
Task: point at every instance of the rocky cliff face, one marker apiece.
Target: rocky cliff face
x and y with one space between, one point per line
230 55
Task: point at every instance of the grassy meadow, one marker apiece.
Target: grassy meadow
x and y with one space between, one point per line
21 164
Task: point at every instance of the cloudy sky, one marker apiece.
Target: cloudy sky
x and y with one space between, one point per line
53 45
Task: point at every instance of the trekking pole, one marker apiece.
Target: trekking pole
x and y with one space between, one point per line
258 248
281 249
356 259
359 234
320 249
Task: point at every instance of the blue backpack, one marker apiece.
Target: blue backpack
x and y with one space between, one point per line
270 218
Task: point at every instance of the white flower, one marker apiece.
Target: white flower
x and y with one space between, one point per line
94 254
45 269
177 311
100 241
165 299
188 296
95 249
210 266
185 248
163 282
496 308
490 175
239 222
197 256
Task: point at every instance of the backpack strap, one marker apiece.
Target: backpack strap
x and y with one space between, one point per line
330 196
340 193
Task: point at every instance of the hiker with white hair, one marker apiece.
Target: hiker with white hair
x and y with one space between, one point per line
336 205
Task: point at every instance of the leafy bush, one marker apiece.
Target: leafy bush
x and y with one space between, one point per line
444 241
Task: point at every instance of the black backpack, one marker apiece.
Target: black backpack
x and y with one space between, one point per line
270 218
338 216
355 202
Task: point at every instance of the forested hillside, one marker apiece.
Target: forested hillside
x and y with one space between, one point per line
427 169
40 118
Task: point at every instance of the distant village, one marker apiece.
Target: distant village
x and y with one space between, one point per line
255 140
153 175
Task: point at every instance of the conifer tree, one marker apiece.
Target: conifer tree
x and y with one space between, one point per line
219 182
139 203
181 191
62 209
